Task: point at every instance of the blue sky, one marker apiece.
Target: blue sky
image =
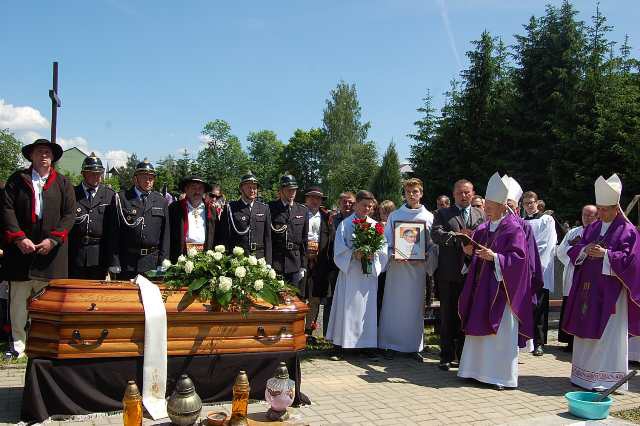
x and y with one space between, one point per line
145 76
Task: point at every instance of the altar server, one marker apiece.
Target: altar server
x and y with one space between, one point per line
193 222
603 307
495 304
544 231
37 213
353 322
589 215
402 314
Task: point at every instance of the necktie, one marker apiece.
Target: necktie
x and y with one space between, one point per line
143 197
90 192
465 217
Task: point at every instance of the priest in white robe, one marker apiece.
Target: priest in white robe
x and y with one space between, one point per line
544 231
353 322
603 307
402 314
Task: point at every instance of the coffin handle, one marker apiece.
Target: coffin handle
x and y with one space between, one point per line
78 340
282 334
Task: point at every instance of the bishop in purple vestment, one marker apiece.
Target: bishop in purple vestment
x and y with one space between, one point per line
603 306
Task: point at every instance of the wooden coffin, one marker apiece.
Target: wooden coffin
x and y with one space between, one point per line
95 319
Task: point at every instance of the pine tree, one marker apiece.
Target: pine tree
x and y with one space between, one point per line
387 182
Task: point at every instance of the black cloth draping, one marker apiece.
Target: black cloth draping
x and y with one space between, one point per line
83 386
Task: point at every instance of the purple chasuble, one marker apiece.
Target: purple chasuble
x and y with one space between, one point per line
593 296
483 299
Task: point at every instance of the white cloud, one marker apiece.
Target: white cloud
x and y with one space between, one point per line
26 122
21 117
204 139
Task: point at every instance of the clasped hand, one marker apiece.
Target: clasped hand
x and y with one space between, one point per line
595 250
358 255
26 246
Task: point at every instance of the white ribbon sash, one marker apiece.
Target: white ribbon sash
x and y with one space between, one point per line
154 376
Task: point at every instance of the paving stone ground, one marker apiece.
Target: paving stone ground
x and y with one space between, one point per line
359 391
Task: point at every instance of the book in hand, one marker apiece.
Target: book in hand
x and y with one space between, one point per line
466 240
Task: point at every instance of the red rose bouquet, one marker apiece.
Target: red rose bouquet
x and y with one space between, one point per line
367 240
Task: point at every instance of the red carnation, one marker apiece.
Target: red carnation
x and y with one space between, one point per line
379 228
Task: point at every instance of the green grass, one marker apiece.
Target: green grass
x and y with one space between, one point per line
632 415
4 346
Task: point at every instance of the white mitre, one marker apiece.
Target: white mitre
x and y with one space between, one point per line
497 189
515 190
608 191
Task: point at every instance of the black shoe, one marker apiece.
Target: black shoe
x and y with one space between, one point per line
498 387
336 354
538 351
388 354
444 366
371 353
454 364
567 349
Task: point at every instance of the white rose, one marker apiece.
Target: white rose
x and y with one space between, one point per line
258 284
240 272
268 267
252 260
272 274
181 258
219 249
210 253
192 252
225 283
238 251
281 283
188 266
217 256
166 263
262 262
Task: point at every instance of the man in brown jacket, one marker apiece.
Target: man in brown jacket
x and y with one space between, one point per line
37 214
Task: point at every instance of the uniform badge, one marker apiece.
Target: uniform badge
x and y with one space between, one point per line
243 218
259 214
133 211
78 209
129 218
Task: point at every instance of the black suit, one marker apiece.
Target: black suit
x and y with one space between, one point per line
317 278
449 277
247 227
142 247
88 237
178 212
289 229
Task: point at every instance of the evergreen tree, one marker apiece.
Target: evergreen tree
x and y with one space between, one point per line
387 182
348 159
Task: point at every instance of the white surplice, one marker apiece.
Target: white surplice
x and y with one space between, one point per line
493 359
544 232
562 253
603 361
353 321
402 313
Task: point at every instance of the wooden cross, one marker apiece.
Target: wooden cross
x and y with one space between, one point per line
55 102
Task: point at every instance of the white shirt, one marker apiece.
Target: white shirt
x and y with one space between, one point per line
562 254
197 220
314 226
38 183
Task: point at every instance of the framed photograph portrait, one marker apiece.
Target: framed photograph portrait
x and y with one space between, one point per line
409 240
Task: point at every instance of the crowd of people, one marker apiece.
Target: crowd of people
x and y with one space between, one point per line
492 267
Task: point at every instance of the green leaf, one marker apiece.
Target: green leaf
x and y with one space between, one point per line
197 283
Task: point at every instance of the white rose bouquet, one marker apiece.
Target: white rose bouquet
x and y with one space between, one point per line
227 280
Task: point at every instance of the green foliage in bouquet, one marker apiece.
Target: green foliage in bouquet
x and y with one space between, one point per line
226 279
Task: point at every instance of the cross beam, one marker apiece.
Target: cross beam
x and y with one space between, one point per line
55 102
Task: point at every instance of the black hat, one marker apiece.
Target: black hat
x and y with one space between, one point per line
315 191
145 167
55 149
288 181
189 179
249 177
92 164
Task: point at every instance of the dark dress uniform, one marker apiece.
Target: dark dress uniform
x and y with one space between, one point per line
289 229
178 212
246 226
87 240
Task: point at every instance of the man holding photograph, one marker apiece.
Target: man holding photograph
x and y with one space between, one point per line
402 315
